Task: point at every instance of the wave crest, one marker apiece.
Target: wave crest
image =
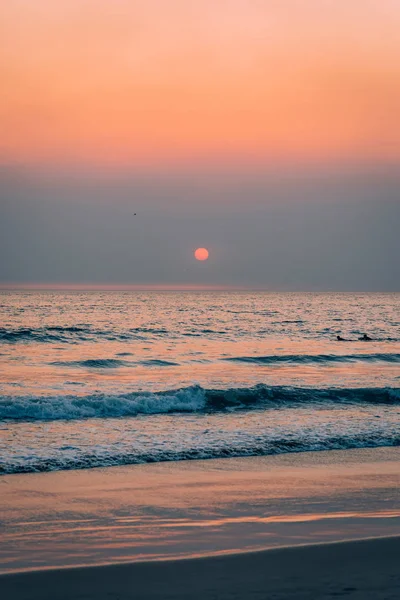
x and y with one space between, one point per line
58 334
93 363
316 358
191 399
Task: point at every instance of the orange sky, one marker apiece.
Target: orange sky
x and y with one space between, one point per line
144 82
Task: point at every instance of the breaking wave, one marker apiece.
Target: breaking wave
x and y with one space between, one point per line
191 399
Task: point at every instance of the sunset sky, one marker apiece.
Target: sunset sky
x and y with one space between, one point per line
147 81
193 109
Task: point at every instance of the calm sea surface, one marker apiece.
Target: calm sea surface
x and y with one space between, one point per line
96 379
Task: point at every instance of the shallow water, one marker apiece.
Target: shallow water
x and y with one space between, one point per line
95 379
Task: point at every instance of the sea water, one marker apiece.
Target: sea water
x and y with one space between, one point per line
91 379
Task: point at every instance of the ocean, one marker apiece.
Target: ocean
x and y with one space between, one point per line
94 379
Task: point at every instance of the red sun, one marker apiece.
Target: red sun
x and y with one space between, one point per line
201 254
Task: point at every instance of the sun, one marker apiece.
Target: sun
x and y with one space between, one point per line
201 254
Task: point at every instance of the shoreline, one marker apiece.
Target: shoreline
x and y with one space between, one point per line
195 557
360 569
170 511
168 461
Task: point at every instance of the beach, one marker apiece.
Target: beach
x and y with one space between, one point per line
362 570
234 528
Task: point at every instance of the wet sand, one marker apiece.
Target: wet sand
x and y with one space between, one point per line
267 527
197 508
362 570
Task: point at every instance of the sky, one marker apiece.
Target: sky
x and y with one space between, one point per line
264 130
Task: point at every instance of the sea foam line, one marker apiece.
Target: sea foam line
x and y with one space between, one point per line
259 447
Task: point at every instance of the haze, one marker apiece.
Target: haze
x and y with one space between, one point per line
265 131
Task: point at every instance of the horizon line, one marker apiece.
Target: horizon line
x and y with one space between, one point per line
190 287
119 287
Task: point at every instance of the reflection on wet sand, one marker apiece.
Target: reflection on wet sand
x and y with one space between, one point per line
183 509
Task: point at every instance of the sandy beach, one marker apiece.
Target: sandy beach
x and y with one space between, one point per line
307 525
360 570
196 508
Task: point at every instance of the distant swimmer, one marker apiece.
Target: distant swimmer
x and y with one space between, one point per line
340 339
365 338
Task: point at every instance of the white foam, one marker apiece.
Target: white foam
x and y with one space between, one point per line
101 405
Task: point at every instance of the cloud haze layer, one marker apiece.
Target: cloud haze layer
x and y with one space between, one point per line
307 231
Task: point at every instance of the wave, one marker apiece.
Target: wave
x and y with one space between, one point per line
57 334
70 329
316 358
74 334
112 363
261 447
93 363
191 399
155 362
27 335
151 330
